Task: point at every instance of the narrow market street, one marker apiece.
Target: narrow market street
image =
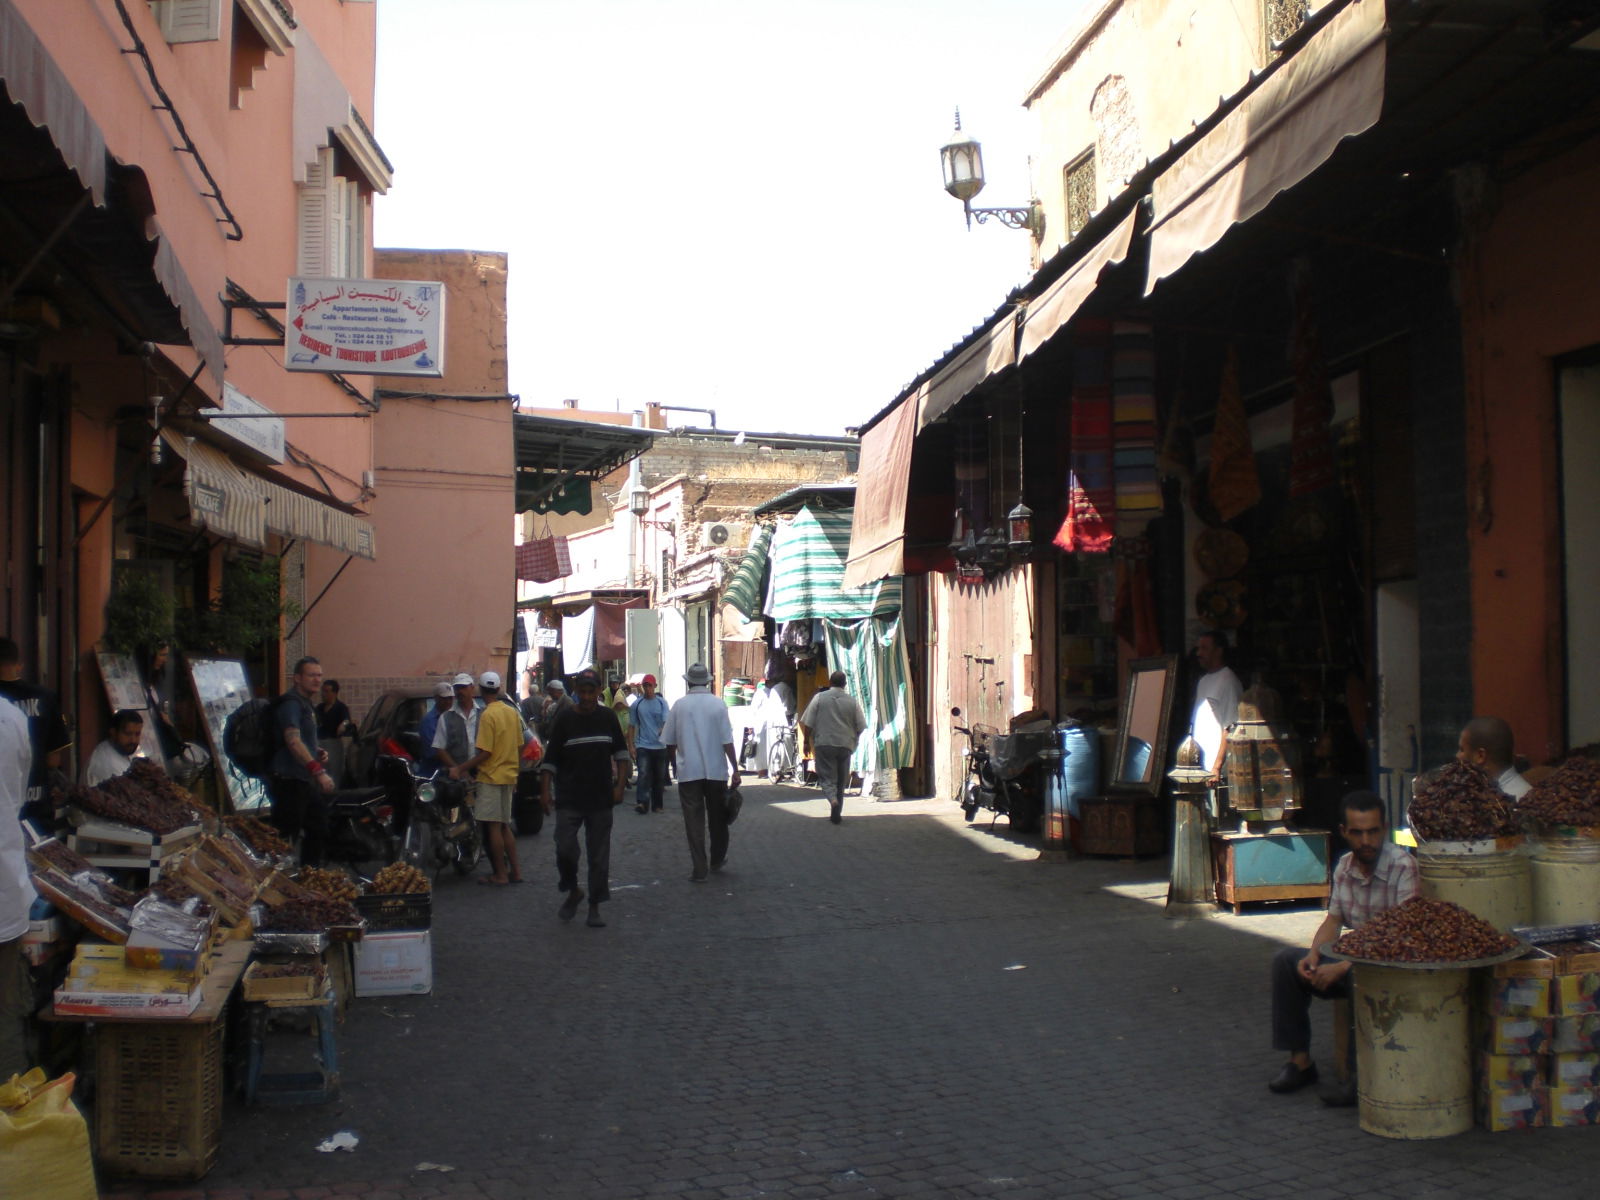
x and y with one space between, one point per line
895 1006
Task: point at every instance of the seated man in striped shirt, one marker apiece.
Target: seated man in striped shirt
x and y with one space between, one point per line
1375 876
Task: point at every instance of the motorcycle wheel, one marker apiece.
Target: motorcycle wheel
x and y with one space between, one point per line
469 853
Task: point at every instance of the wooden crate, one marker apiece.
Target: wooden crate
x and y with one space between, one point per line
284 987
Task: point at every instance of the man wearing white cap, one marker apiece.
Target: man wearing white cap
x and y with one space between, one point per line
457 733
496 757
699 737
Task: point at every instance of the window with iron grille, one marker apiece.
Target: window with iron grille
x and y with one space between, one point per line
1281 19
1080 187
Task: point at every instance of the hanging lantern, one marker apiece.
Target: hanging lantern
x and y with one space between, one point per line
958 534
992 550
962 160
1019 525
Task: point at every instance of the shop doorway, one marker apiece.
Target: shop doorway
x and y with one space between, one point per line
1579 400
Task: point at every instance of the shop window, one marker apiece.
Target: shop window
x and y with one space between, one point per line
188 20
332 220
1079 180
1280 20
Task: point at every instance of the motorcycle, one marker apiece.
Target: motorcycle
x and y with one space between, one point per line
1006 773
439 828
360 827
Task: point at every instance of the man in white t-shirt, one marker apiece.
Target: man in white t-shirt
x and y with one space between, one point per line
1487 742
699 736
1216 697
115 755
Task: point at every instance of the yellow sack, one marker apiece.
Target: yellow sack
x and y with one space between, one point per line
44 1143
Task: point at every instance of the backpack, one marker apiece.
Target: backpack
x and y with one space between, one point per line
250 737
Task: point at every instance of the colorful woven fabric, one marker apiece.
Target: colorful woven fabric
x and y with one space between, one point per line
1235 486
1133 411
1311 463
1091 487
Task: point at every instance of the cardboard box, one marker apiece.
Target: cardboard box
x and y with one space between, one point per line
1575 995
146 951
1516 997
1518 1035
1575 1070
1515 1070
1574 1106
398 963
1536 964
1501 1108
1575 1035
72 1001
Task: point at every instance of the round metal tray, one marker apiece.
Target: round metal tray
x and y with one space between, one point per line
1467 964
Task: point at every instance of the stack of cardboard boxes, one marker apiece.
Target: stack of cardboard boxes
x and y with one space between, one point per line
1540 1024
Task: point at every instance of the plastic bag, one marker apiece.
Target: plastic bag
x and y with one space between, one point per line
44 1143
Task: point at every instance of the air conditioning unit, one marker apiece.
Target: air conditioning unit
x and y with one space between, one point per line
724 535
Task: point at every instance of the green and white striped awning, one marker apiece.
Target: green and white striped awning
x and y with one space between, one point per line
744 591
872 654
808 558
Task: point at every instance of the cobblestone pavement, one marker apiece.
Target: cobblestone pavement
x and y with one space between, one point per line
896 1006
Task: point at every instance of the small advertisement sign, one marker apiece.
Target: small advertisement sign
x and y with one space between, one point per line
365 327
253 424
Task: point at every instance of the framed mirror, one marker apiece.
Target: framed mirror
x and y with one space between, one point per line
1139 762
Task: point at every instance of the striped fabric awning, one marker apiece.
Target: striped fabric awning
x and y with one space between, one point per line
808 557
744 591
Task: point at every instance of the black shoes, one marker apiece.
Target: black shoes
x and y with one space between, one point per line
595 921
1292 1078
716 863
1342 1096
569 906
835 810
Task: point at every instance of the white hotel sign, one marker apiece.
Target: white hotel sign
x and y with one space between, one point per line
365 327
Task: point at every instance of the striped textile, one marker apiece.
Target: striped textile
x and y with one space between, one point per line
808 556
1133 430
873 656
744 590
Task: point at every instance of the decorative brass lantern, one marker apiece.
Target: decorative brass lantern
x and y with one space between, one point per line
1019 524
1262 784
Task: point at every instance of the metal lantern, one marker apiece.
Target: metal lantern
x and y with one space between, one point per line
992 550
959 534
962 160
1019 524
639 502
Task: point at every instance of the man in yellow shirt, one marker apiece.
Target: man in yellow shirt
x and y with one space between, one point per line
499 753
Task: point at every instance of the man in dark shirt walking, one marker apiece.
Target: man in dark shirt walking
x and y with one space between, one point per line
47 732
586 766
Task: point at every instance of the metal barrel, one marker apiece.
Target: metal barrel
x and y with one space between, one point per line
1413 1051
1497 886
1566 880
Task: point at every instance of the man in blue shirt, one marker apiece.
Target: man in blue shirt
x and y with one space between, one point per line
649 715
428 759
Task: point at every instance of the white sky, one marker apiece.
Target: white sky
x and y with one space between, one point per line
728 204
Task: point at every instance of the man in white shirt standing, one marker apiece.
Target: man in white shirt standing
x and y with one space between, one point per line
16 888
1216 697
1487 742
834 722
699 736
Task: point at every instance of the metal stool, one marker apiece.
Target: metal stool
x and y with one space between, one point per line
300 1087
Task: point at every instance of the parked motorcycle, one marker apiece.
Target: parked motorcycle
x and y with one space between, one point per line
360 828
440 829
1006 773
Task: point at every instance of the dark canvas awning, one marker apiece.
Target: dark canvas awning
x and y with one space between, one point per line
878 530
553 452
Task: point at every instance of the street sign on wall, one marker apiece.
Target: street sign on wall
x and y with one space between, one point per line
253 424
365 326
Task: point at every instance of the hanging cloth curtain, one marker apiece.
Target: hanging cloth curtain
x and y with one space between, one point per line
744 590
1234 484
577 642
872 654
808 556
1091 492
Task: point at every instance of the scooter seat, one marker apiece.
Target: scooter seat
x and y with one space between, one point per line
362 795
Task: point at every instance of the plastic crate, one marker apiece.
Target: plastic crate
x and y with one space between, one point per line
387 912
158 1103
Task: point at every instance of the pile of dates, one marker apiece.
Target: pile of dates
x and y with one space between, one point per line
336 884
310 916
1425 931
400 879
258 835
125 800
1459 803
1570 796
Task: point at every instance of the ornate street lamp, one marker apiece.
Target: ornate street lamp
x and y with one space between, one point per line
1019 525
962 160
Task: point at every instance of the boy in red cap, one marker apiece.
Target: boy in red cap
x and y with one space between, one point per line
649 715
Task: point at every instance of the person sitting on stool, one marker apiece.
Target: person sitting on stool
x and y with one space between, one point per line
1374 877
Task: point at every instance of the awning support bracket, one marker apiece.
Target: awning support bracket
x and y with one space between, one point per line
320 595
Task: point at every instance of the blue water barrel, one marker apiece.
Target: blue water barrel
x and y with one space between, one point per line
1080 763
